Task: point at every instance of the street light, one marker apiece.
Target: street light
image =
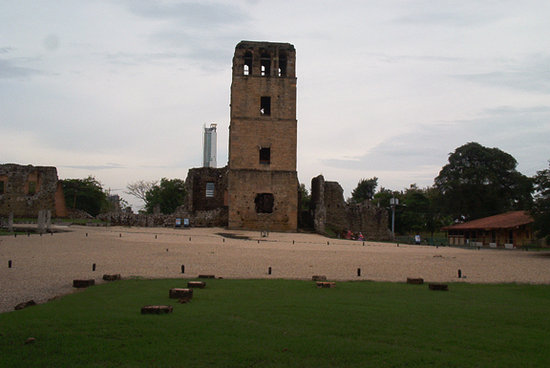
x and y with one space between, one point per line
393 202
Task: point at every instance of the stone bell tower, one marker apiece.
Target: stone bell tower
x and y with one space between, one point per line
262 179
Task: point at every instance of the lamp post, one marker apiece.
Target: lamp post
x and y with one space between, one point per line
393 202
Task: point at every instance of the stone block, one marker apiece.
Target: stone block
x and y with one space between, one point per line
415 281
113 277
207 277
181 294
438 287
318 278
325 284
24 305
156 309
83 283
196 284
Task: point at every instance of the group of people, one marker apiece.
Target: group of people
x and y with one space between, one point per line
350 235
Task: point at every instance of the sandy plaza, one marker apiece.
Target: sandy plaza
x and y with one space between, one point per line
43 267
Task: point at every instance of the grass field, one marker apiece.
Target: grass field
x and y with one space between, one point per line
281 323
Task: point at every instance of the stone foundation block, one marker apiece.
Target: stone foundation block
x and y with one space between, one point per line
207 277
318 278
114 277
325 284
440 287
196 284
83 283
24 305
184 295
156 309
415 281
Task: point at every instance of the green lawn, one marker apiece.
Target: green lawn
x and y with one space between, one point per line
281 323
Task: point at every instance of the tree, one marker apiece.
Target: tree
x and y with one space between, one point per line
85 194
480 181
305 197
168 195
541 205
364 190
304 215
140 188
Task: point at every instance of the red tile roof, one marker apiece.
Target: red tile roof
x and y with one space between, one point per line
503 221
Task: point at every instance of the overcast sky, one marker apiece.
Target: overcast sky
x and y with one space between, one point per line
121 89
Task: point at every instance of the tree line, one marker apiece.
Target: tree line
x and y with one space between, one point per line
476 182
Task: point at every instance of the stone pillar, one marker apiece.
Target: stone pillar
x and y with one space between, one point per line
41 221
10 222
48 220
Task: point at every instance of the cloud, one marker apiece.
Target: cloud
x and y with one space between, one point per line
95 167
521 132
459 16
532 74
5 50
9 69
194 15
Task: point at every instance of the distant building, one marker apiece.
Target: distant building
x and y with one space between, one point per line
507 230
209 146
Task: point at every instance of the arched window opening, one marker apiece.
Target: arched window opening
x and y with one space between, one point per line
264 203
282 65
247 63
265 63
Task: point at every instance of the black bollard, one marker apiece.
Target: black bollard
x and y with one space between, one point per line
93 267
328 243
189 238
363 243
86 235
269 271
15 235
223 240
40 234
28 234
459 273
155 236
258 242
293 242
358 272
182 269
120 235
9 263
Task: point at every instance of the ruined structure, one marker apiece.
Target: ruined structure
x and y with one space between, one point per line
331 214
25 190
262 179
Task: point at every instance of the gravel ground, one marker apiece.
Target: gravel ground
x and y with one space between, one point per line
43 267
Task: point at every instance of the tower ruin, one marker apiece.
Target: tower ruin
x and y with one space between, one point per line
262 178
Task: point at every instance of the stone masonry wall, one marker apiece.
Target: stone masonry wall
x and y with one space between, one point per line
25 190
195 186
330 211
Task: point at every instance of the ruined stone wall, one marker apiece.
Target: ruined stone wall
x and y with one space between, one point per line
317 204
211 218
332 213
370 220
25 190
198 179
262 137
